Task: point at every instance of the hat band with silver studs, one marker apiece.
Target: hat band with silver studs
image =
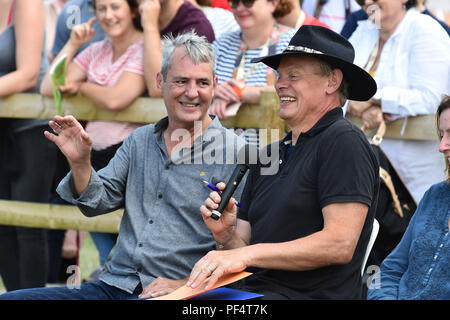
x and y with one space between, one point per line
302 49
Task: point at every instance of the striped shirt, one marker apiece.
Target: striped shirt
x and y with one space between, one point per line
96 62
221 20
227 47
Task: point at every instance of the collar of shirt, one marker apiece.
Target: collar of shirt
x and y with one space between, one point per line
211 135
328 119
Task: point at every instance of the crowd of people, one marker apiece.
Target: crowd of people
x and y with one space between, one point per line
303 230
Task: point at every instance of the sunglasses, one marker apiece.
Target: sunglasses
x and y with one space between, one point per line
363 2
247 3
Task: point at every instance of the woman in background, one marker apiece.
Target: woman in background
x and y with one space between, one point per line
418 266
408 56
240 80
26 157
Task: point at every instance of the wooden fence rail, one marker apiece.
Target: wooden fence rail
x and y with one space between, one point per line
148 110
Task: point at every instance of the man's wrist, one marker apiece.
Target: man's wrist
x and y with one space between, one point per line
220 246
222 241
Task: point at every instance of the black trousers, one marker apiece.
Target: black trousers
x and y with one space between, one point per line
26 173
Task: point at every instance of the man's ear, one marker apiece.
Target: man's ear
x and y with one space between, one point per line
334 80
159 81
216 81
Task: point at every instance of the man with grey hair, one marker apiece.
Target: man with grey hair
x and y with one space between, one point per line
157 176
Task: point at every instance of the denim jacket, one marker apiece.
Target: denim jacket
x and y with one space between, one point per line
418 268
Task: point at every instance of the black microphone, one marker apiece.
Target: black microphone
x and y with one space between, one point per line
246 156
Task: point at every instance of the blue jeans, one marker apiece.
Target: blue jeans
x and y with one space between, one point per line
104 243
96 290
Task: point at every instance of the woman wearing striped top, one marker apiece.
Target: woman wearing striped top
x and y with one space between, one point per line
259 35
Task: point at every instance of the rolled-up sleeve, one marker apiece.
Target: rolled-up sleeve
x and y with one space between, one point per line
106 189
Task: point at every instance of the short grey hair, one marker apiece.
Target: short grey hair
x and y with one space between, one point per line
326 70
197 48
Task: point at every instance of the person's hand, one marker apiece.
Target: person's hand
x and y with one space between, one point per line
70 87
372 117
223 228
160 287
225 92
219 108
82 33
357 108
149 11
216 264
71 139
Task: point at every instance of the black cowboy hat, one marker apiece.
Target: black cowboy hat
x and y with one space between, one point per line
332 48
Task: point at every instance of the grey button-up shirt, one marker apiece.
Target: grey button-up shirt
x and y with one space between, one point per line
162 232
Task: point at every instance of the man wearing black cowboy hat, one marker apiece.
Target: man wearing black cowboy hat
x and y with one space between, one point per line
304 230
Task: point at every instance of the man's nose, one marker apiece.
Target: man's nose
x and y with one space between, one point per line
191 90
280 83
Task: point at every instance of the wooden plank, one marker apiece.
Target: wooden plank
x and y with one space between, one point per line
52 216
26 105
150 110
417 128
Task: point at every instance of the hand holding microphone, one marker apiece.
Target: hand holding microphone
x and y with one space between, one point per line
223 228
245 157
231 186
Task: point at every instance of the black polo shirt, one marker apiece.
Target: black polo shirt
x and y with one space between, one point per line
332 162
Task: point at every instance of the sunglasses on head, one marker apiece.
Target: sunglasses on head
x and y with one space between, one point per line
247 3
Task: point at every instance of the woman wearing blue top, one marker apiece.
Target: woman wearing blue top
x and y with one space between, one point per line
418 268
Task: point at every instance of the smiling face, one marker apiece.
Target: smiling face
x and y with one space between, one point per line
188 90
115 17
301 87
389 11
259 14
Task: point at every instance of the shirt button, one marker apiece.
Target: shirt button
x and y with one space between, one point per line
160 196
140 244
150 221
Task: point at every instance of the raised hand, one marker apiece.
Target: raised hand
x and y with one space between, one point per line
71 139
82 33
149 11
